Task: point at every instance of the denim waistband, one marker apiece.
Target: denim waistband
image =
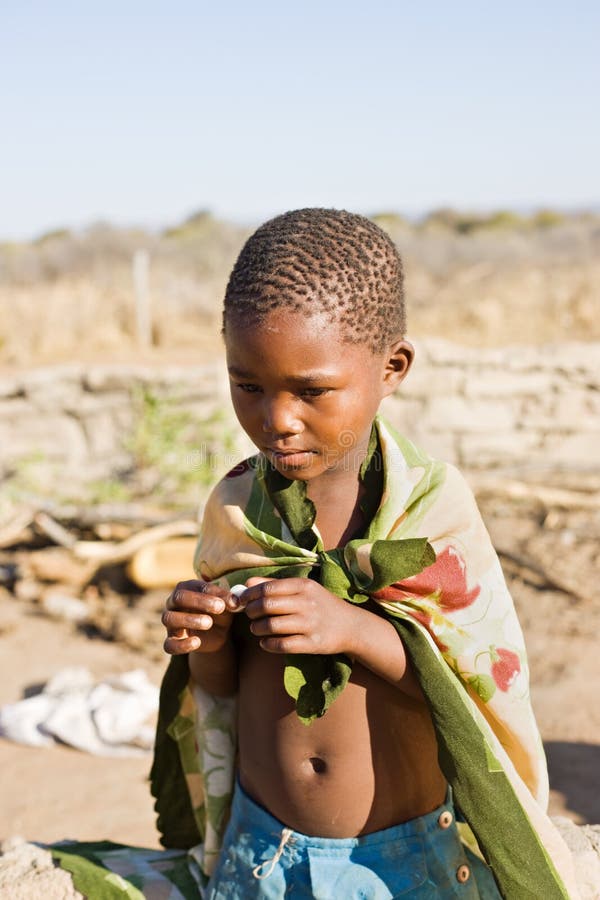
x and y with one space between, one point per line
245 809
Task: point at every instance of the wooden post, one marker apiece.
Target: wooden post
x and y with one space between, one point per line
143 313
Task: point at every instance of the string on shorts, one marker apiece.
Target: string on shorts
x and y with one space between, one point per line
271 863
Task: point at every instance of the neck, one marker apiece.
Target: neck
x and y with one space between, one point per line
339 517
346 497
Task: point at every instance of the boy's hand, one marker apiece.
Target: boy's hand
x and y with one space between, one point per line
198 616
297 615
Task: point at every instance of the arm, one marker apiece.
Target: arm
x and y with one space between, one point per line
216 672
198 621
379 647
297 615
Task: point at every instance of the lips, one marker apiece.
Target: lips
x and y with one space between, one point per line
290 459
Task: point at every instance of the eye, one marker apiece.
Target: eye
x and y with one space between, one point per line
249 388
311 393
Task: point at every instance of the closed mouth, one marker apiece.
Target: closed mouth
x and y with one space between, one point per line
287 451
288 456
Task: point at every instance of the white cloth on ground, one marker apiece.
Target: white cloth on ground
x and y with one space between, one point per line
106 718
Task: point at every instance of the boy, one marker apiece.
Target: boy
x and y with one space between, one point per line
376 658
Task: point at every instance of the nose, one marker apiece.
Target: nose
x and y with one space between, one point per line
280 416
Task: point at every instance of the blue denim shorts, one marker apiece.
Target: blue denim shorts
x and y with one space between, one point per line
423 858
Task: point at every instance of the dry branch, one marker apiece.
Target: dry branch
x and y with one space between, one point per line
525 568
548 496
134 514
108 552
52 529
75 562
14 531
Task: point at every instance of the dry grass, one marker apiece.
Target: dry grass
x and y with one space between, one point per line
71 296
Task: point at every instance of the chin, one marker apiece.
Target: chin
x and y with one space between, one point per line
296 473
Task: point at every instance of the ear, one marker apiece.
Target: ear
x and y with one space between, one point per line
399 361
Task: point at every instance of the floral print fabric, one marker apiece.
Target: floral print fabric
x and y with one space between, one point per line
458 624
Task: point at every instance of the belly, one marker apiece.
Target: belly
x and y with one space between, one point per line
369 763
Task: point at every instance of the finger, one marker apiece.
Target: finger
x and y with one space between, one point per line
291 643
207 601
179 621
271 606
273 587
279 625
197 586
177 646
240 598
290 585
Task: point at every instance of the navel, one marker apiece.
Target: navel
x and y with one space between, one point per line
319 766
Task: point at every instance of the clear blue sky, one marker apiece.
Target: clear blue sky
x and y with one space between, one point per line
139 111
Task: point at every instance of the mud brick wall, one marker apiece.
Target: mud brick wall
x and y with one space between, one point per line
517 409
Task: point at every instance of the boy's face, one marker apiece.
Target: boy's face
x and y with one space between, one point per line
303 396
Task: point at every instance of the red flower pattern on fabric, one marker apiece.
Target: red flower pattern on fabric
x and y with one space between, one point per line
239 469
445 581
505 667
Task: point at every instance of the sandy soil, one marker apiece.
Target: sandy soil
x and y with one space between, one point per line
57 792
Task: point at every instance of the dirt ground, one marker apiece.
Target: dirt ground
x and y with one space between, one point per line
58 792
50 794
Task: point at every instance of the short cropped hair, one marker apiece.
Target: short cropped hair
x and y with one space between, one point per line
322 260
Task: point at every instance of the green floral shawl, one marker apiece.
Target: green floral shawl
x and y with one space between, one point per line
427 559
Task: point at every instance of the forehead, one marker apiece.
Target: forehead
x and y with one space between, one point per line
294 345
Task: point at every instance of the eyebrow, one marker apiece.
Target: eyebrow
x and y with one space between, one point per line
307 379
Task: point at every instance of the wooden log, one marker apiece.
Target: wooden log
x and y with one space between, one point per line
163 564
57 564
106 552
